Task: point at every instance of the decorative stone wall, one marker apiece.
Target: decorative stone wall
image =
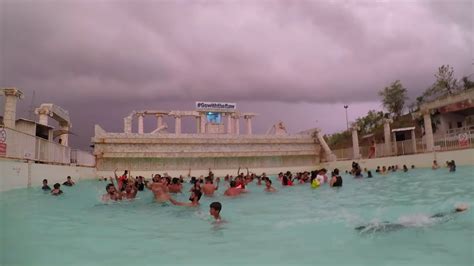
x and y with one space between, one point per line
151 152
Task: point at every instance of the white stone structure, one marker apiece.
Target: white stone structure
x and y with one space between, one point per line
214 145
47 110
9 113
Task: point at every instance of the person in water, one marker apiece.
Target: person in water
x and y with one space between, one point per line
209 188
215 211
405 168
69 182
45 185
233 191
268 186
159 189
194 198
336 179
56 191
435 165
111 192
175 186
389 227
130 191
452 166
369 174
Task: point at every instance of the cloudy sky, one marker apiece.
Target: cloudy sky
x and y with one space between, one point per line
296 61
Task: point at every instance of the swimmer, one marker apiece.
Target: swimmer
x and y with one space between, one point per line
69 182
130 191
208 188
159 189
112 193
121 180
405 168
194 198
336 180
435 165
175 186
215 210
45 185
233 191
56 191
268 186
385 227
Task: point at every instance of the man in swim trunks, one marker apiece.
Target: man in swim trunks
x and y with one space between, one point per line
233 190
208 188
268 186
112 193
194 198
389 227
160 190
215 210
130 191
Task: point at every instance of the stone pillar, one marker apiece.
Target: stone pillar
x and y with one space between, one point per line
387 137
198 124
413 139
43 115
65 137
127 124
9 113
249 124
237 125
428 132
177 125
355 143
140 123
203 123
159 120
327 150
229 123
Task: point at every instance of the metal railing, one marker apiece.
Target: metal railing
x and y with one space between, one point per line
453 141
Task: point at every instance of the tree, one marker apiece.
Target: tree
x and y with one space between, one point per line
445 84
467 83
372 120
394 97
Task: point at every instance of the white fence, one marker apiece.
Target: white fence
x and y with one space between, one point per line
18 145
454 141
82 158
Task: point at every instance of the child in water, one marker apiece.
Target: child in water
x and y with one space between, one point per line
56 191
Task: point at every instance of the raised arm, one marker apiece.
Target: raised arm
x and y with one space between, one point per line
189 173
115 174
247 171
238 171
217 183
177 203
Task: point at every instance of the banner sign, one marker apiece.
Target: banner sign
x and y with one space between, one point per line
215 106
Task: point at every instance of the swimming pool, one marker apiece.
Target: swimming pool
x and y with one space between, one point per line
295 226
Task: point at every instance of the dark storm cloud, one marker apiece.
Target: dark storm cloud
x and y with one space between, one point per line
117 56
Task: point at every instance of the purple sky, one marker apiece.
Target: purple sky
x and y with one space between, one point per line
296 61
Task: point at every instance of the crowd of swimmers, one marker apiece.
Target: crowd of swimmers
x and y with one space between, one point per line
125 187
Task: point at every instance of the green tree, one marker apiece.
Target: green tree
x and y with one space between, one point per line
445 84
394 97
467 83
372 120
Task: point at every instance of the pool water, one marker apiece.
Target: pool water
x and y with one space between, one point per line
294 226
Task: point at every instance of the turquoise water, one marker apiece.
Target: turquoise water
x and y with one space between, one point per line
295 226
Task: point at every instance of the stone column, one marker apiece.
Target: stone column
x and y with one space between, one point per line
428 132
198 124
387 137
177 125
355 143
43 115
237 125
9 113
203 123
140 123
229 123
65 137
248 119
159 120
327 150
413 139
127 124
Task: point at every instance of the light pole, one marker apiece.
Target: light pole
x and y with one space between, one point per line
347 119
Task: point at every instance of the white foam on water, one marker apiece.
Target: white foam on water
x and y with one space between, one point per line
416 220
